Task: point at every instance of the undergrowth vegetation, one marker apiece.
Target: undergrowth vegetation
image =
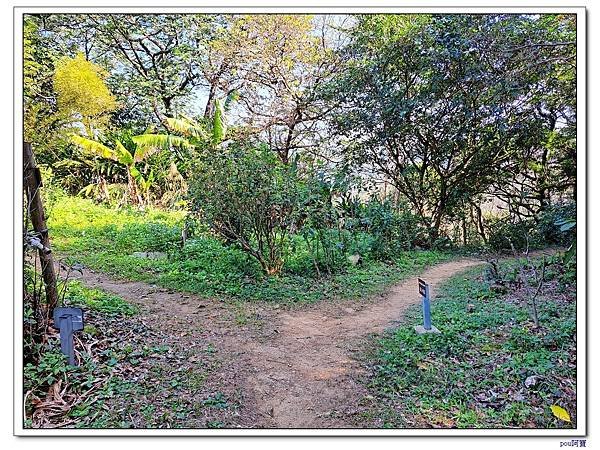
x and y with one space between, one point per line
129 374
147 246
490 367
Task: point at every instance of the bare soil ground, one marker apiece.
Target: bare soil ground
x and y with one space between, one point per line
293 367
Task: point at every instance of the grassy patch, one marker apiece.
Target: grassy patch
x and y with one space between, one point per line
80 225
489 368
79 295
107 240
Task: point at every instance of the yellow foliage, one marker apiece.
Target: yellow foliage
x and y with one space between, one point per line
560 413
80 87
283 39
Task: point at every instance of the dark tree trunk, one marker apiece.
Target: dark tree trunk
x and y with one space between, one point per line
209 101
32 182
480 226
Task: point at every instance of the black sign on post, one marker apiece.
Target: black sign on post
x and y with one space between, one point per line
68 320
422 288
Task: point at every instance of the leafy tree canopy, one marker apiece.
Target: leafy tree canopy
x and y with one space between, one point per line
81 90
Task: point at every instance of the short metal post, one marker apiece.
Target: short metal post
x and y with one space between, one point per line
68 320
66 338
426 309
426 327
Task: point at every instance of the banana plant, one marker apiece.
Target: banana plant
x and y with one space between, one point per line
190 135
124 157
145 184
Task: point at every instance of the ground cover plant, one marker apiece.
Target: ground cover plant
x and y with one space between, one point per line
130 374
108 240
491 367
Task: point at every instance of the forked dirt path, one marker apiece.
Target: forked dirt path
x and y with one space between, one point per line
311 379
294 367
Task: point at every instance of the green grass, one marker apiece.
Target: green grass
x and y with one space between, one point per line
105 240
79 295
473 374
79 225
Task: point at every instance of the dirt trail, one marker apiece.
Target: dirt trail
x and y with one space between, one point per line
296 371
311 380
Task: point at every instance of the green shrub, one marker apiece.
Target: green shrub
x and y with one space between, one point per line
502 232
550 224
381 230
551 227
249 197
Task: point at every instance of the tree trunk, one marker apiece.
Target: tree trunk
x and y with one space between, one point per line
542 181
479 223
209 101
438 214
434 227
32 182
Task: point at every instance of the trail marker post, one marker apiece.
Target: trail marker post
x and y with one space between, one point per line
68 320
426 327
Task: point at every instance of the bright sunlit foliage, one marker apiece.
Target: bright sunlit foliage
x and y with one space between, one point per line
81 90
